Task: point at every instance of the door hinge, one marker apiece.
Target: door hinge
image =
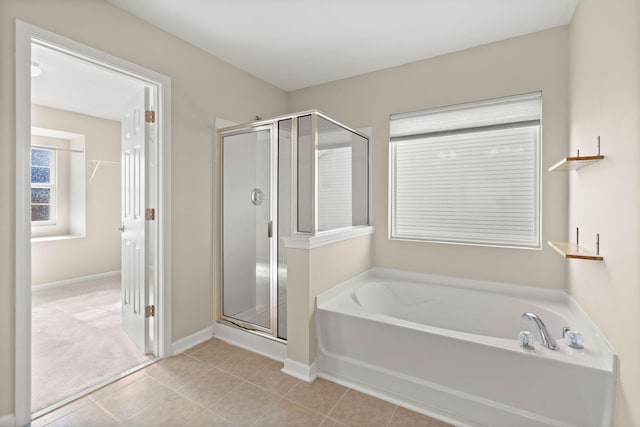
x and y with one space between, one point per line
150 311
150 214
150 116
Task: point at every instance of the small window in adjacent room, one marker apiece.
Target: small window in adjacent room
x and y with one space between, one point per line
43 189
468 173
58 199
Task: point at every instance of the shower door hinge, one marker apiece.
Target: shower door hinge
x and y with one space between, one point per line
150 214
150 311
150 116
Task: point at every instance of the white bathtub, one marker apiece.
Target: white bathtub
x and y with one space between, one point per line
448 347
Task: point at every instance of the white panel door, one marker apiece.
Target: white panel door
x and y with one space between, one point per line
135 295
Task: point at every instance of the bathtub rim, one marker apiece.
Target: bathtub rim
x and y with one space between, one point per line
517 290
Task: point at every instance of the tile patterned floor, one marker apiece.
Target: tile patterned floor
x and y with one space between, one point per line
217 384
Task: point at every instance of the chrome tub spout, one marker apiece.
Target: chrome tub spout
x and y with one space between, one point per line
546 340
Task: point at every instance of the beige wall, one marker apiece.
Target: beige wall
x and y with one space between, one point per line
605 197
99 250
307 277
203 87
530 63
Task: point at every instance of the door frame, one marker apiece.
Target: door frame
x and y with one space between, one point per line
25 35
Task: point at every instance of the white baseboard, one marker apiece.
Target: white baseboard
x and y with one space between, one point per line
8 420
258 344
192 340
76 280
300 370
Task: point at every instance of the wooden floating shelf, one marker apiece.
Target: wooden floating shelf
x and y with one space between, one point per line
575 163
571 250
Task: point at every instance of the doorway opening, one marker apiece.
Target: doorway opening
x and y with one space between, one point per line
92 175
78 127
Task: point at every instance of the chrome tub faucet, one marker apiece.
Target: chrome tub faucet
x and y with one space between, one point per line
546 340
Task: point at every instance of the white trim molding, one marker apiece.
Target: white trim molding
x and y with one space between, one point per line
300 370
307 241
190 341
8 420
265 345
26 34
76 280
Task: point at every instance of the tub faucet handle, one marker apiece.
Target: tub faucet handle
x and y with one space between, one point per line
526 340
565 329
574 339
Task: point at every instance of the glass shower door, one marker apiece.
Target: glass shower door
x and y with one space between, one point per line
248 228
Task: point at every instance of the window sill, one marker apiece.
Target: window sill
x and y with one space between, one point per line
55 238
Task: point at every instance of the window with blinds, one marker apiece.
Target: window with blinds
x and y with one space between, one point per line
468 173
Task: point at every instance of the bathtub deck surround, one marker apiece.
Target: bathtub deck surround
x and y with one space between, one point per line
449 347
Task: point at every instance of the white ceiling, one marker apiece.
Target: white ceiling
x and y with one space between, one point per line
293 44
74 85
298 43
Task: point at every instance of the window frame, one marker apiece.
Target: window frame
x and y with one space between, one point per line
536 202
70 184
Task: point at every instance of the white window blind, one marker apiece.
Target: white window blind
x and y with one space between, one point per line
468 173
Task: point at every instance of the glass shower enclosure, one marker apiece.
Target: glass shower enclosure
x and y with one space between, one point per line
300 174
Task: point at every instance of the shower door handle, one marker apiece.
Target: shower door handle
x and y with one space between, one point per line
270 229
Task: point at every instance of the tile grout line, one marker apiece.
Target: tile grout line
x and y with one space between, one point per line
338 402
395 409
255 423
94 399
205 407
266 389
108 412
307 408
133 414
284 396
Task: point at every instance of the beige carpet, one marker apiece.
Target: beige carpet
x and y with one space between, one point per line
77 339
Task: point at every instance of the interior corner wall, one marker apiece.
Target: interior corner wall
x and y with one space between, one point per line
605 197
203 87
99 250
529 63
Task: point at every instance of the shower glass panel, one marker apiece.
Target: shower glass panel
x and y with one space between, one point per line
343 175
247 227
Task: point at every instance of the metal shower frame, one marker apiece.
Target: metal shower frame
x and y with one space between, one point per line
271 125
